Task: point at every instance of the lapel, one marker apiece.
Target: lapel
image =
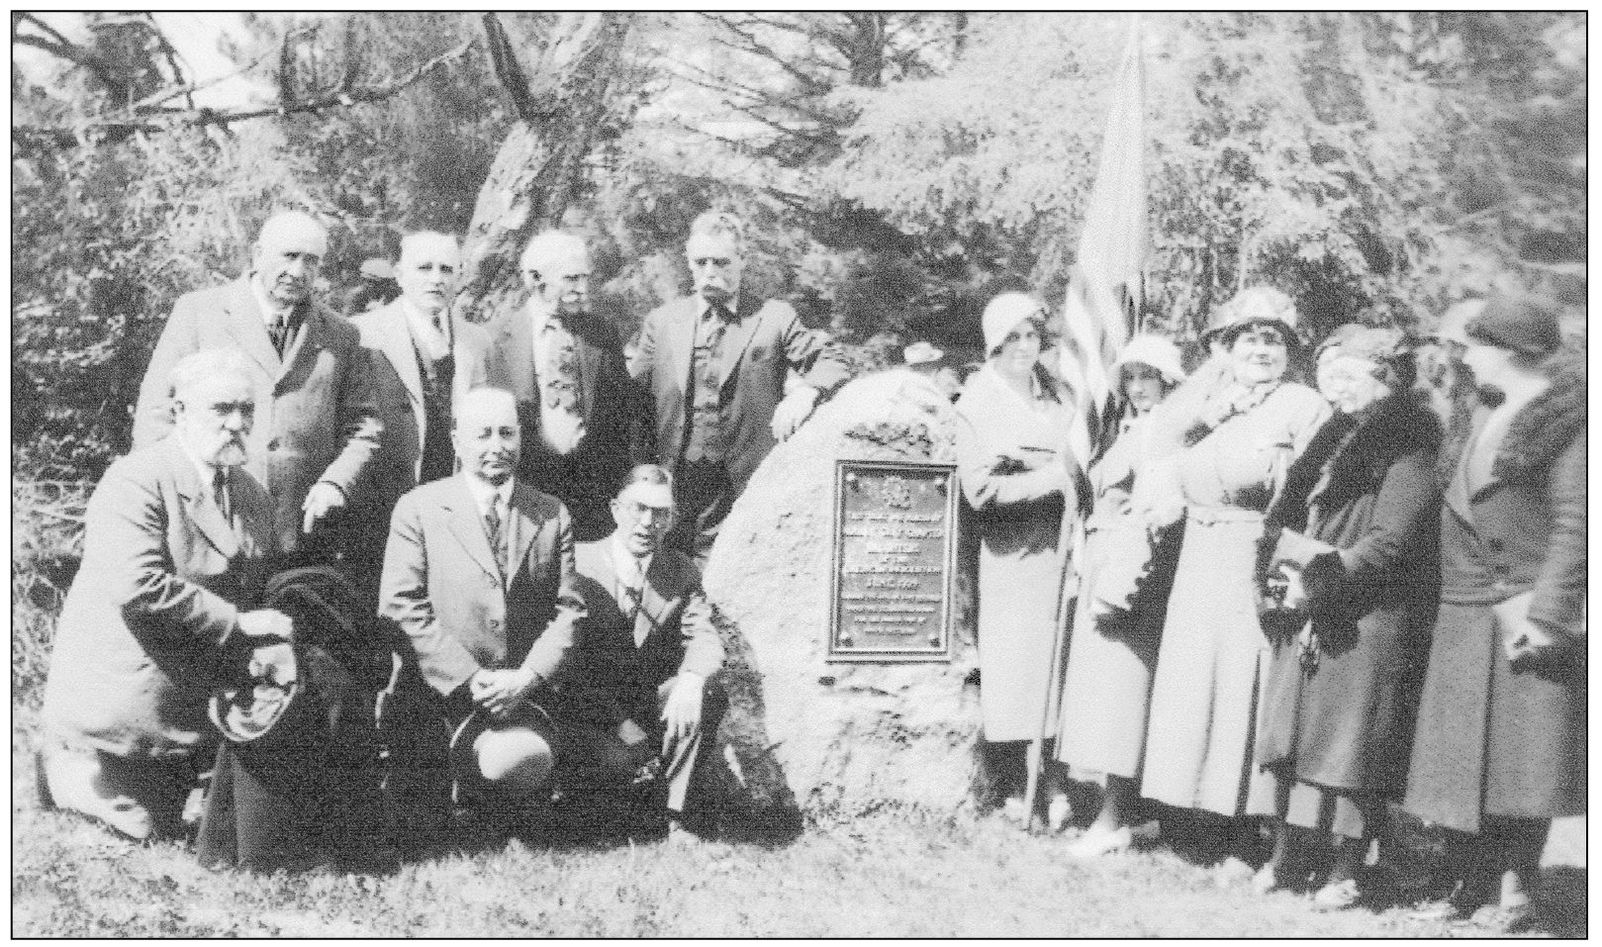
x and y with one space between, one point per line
525 526
589 369
246 326
468 527
653 604
198 504
737 337
680 340
308 339
395 340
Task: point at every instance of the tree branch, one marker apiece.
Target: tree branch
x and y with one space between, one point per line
508 73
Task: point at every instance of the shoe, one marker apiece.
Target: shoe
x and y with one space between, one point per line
1097 842
1058 812
1457 906
1336 895
1266 879
1497 919
1231 872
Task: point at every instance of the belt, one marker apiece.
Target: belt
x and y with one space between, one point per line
1213 515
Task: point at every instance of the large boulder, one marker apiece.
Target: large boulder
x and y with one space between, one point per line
803 731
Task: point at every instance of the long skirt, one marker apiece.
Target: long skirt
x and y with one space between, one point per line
1018 586
1111 661
1492 742
1201 735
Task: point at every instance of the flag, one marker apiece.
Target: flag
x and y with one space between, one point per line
1105 288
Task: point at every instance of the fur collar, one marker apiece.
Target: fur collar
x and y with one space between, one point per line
1345 458
1546 426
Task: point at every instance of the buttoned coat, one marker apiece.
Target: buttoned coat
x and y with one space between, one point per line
154 604
586 479
316 414
1493 740
627 660
441 584
398 389
763 343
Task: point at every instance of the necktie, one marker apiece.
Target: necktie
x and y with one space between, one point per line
219 493
279 331
492 526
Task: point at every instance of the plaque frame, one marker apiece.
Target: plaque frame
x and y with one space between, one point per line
945 627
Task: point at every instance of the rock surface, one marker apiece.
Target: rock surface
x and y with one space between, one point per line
809 733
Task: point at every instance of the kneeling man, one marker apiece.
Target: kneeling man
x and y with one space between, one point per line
478 573
649 645
174 541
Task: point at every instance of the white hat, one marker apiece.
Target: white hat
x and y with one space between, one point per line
1156 351
1004 313
921 353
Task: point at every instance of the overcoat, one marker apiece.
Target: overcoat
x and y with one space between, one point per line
1204 704
316 414
586 479
158 597
765 341
1107 692
1019 518
1491 740
1363 501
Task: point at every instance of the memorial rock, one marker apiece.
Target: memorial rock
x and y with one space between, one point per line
824 734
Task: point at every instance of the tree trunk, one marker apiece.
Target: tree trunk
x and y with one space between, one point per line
539 170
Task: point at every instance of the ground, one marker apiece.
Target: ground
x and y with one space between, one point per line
879 873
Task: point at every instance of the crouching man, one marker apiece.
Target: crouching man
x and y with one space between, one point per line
174 543
478 573
648 650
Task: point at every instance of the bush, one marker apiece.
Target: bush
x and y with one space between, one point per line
46 548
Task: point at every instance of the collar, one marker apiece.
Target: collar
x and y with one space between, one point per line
483 494
270 308
623 561
206 471
539 316
418 319
703 307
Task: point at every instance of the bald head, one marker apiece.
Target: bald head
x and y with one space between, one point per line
486 434
288 251
556 270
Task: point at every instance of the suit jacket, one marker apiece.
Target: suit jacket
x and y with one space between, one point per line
588 478
155 604
441 584
316 415
760 346
398 387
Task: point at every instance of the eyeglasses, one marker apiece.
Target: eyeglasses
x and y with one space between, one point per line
640 512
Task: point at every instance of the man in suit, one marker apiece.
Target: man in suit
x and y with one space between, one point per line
423 360
174 539
565 365
715 364
317 424
479 575
649 646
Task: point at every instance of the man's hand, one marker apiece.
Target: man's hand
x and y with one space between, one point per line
322 499
1529 644
265 625
681 712
795 408
500 692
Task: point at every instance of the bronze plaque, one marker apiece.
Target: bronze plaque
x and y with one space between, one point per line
895 546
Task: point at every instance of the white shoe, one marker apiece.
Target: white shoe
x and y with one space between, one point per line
1097 842
1336 895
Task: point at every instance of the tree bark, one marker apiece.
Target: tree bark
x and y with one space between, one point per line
539 171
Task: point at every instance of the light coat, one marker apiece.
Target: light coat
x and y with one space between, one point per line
154 604
316 414
442 587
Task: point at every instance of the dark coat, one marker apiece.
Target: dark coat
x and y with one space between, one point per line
764 343
1362 501
1492 740
586 479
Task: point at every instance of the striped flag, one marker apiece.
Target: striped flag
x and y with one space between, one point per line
1105 287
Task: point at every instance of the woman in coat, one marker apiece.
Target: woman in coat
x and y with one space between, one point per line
1124 579
1357 526
1242 438
1012 432
1500 746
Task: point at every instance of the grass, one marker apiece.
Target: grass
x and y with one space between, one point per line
885 872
